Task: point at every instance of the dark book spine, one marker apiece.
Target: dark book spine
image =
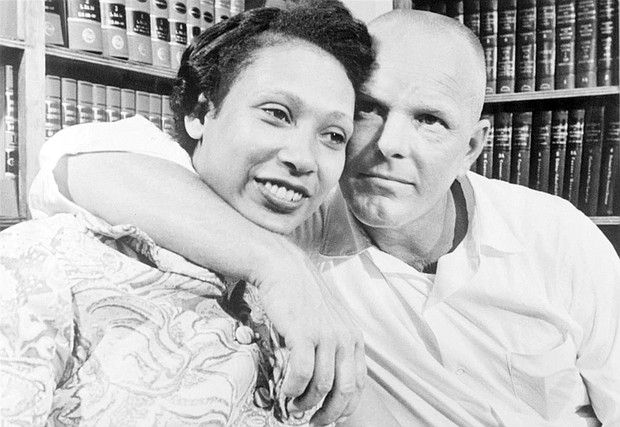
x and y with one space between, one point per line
54 22
506 35
610 163
437 6
471 15
545 44
557 154
85 102
114 28
84 25
585 44
525 56
574 146
99 104
539 158
53 109
488 38
68 97
112 103
484 164
565 44
607 42
502 142
455 9
521 147
591 160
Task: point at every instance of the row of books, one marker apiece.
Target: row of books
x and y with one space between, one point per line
535 45
8 144
69 102
572 153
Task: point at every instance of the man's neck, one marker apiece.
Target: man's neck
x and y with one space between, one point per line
421 243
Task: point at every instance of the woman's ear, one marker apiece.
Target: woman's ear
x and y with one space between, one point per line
194 123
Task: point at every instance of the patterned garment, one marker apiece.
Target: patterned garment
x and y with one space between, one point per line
100 327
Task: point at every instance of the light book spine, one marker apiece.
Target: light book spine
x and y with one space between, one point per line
160 33
114 28
9 199
139 31
222 10
84 102
142 104
112 103
53 108
155 109
167 118
99 104
54 17
208 14
178 32
68 97
193 20
128 103
84 25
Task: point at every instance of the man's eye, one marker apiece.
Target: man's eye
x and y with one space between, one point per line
365 108
278 114
429 119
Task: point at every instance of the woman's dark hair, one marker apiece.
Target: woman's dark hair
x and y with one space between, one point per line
214 60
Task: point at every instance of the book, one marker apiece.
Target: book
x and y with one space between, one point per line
610 163
193 20
557 153
112 103
502 142
53 108
454 9
128 103
574 147
84 102
207 7
143 103
525 54
565 44
114 28
68 102
585 44
9 18
155 109
521 148
488 39
236 7
178 32
9 197
84 25
139 31
607 42
471 15
99 104
222 10
54 20
539 157
160 33
545 44
591 159
484 163
506 34
167 117
437 6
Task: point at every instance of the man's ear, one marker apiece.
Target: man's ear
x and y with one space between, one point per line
194 122
477 140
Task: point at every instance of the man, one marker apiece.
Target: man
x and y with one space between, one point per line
482 303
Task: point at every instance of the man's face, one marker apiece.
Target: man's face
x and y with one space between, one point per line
412 133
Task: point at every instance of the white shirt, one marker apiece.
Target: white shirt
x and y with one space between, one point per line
519 327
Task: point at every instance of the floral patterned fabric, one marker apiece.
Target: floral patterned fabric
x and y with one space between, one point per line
100 327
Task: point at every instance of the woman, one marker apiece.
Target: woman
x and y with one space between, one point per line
99 326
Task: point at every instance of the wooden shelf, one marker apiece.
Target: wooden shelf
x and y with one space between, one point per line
103 62
545 95
12 43
606 220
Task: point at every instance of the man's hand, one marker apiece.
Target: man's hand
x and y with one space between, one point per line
327 358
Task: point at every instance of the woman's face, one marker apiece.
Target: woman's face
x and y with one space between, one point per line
277 144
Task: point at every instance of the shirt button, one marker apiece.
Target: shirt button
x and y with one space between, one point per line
460 371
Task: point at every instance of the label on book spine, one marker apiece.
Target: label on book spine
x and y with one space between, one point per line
525 56
84 25
585 44
574 144
565 45
545 45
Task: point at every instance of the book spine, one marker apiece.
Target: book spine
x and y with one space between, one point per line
8 18
545 44
565 44
539 158
160 33
128 103
574 147
222 10
437 6
557 155
193 20
521 147
485 160
178 32
455 9
53 108
167 118
114 28
506 34
501 146
585 44
84 102
11 160
208 14
610 163
591 160
471 16
525 56
68 98
84 25
112 103
236 7
607 41
155 109
54 18
143 103
139 31
488 39
99 105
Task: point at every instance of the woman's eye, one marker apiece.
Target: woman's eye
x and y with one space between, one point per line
334 138
278 114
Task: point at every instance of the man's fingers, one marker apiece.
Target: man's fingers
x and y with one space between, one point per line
323 379
300 369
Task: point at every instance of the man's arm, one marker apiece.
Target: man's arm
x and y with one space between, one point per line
181 213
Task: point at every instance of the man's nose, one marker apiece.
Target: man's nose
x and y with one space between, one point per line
395 138
298 154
